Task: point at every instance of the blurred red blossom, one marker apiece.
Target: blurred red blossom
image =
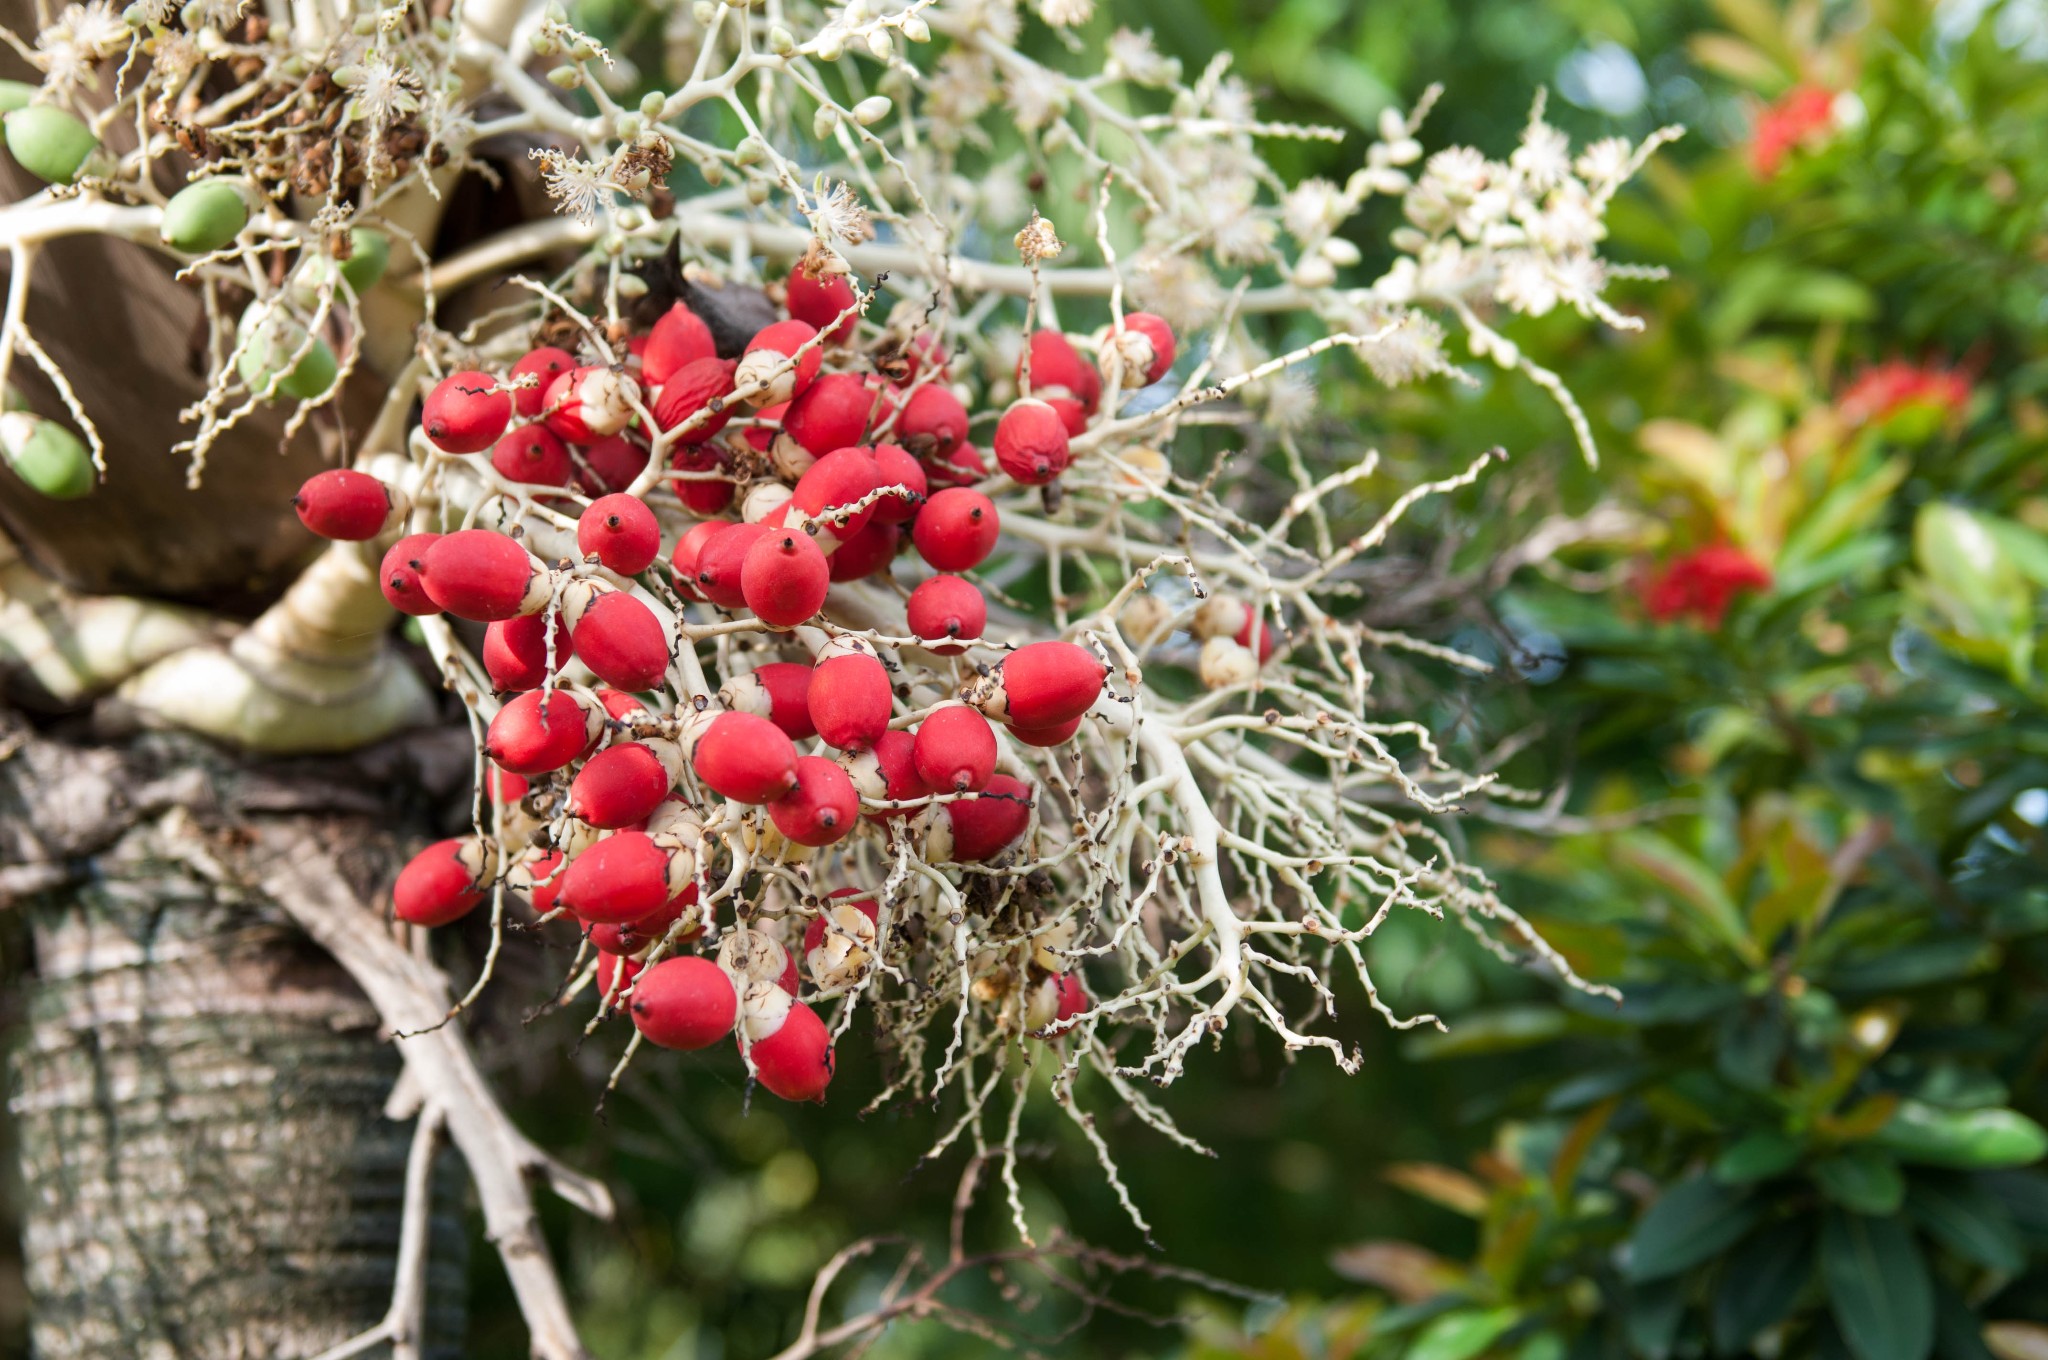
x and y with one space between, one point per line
1702 583
1797 116
1882 389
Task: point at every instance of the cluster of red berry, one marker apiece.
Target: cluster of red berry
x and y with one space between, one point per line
640 774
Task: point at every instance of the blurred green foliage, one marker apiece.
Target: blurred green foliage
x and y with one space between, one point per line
1806 839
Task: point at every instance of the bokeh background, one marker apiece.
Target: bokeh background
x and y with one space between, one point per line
1794 718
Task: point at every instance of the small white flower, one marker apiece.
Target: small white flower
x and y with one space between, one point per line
221 14
386 91
1525 283
1179 288
1035 96
1605 162
82 36
960 88
581 187
1415 350
1544 158
1132 54
1232 102
841 215
1311 209
1066 13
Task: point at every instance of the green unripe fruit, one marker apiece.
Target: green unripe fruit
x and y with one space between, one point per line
203 217
369 256
46 455
272 337
14 94
49 143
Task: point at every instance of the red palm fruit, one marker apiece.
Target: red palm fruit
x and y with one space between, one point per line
621 641
822 807
614 976
766 362
621 705
814 933
791 1053
850 701
946 607
527 738
630 937
817 299
442 882
761 433
695 401
701 495
1073 415
399 575
622 531
957 529
985 826
542 879
679 337
1041 684
1058 370
866 553
585 405
685 1002
898 468
838 479
546 364
609 465
1031 442
466 412
841 940
481 575
344 504
1254 622
515 651
887 772
779 691
784 578
832 414
933 422
1058 998
504 786
1059 734
622 878
683 561
618 786
963 467
1143 349
721 563
531 454
955 750
745 758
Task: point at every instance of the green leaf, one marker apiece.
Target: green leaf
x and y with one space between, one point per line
1862 1180
1878 1286
1462 1335
1651 1314
1693 1221
1692 885
1964 1217
1970 1140
1758 1157
1761 1280
1496 1031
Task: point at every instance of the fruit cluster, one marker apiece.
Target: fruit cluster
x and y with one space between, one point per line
622 782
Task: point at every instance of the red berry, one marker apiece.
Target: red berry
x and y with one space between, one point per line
898 468
932 423
839 479
688 549
963 467
822 807
466 412
1031 442
531 454
623 878
1058 734
621 705
515 651
619 786
686 1002
957 529
888 773
784 578
1043 684
792 1053
818 298
955 750
766 362
344 504
621 641
442 882
1143 348
608 465
546 364
850 701
481 575
529 738
721 563
699 396
622 531
866 553
983 827
1253 620
761 434
745 758
614 975
1073 997
946 607
1073 415
1058 370
630 937
779 691
679 338
399 575
832 414
702 495
585 405
542 880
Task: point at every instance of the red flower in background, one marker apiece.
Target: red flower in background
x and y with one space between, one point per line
1703 583
1806 110
1882 389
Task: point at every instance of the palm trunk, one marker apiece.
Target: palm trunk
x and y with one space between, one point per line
208 1166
